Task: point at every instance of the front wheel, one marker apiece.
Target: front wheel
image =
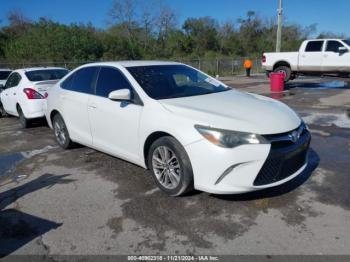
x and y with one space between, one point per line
61 132
170 166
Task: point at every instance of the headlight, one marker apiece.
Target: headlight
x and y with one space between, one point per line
229 139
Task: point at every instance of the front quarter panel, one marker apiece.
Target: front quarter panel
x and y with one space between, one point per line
156 118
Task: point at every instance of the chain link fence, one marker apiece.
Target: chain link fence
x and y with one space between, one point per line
214 67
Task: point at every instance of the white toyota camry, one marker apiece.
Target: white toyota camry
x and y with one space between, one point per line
189 129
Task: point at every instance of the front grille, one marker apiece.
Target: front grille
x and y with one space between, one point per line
284 159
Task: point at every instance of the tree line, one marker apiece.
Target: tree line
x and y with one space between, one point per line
144 30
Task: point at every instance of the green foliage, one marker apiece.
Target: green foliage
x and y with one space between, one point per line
148 37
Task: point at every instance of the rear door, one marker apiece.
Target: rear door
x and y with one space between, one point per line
76 90
310 59
334 60
114 124
9 95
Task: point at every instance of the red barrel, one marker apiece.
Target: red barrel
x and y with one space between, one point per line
276 82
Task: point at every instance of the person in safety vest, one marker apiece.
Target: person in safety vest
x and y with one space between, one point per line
248 64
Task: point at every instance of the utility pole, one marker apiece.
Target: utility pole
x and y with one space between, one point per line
279 26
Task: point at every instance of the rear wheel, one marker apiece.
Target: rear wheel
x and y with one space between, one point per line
284 70
3 113
25 123
170 166
61 132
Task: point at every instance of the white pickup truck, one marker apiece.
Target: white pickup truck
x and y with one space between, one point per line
315 57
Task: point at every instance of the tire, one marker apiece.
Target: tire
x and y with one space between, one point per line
284 70
61 132
171 170
3 113
25 123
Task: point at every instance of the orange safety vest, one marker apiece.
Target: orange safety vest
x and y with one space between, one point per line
248 64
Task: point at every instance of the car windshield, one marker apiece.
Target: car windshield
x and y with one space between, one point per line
4 74
347 41
174 81
46 74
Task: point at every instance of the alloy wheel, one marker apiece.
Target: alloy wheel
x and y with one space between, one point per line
60 134
166 167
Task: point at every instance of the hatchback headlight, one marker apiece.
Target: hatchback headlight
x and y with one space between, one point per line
229 139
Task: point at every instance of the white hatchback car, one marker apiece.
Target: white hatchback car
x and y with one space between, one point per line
25 90
191 130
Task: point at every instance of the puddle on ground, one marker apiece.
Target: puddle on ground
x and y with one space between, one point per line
9 161
280 95
336 84
328 119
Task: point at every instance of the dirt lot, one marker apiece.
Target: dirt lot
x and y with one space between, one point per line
85 202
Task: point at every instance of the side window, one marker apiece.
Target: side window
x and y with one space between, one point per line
81 81
314 46
13 80
67 84
110 79
333 46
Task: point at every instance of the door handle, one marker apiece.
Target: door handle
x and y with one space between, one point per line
14 93
93 106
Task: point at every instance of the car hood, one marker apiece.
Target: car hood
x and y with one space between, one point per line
234 110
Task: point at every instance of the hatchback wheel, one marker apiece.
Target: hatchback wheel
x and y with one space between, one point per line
170 166
61 132
3 113
25 123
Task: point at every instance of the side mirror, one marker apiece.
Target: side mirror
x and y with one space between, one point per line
120 95
342 49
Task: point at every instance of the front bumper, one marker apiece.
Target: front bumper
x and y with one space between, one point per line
247 168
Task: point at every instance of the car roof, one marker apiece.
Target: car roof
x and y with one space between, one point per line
132 63
326 39
37 68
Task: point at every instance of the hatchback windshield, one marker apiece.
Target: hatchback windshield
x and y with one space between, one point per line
4 74
46 74
173 81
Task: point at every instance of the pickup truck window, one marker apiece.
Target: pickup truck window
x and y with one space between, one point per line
333 46
347 41
314 46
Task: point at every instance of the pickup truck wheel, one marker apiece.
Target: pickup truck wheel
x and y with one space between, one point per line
284 70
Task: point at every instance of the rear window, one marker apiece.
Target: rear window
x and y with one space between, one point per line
4 75
347 41
314 46
46 74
